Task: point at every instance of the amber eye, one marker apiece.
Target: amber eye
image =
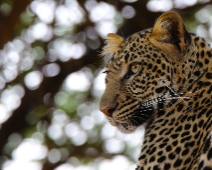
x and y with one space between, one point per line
135 68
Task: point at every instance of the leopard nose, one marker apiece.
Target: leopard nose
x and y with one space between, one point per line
108 111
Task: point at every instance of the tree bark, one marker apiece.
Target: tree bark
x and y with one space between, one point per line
9 22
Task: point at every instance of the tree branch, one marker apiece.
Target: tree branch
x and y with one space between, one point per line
8 23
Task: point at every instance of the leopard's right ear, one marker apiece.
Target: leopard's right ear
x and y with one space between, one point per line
113 41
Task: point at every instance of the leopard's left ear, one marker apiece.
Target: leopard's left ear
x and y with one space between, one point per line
113 41
169 29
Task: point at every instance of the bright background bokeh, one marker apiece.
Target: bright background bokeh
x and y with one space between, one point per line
51 80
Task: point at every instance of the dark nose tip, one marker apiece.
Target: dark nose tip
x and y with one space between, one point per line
108 111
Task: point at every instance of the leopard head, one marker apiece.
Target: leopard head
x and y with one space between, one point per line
138 74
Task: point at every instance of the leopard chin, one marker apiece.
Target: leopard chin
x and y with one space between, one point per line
126 128
123 127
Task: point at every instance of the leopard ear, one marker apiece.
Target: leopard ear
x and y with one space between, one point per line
113 41
169 29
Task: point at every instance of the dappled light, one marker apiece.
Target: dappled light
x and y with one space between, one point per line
160 5
44 10
33 79
128 12
52 78
51 70
77 82
29 150
4 114
11 165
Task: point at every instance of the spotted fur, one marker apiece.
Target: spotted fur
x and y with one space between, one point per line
162 78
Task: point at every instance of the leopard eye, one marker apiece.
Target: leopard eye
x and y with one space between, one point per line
135 68
106 72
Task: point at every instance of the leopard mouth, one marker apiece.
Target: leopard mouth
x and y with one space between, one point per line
147 109
141 115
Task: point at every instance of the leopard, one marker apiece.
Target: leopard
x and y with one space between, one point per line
161 78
